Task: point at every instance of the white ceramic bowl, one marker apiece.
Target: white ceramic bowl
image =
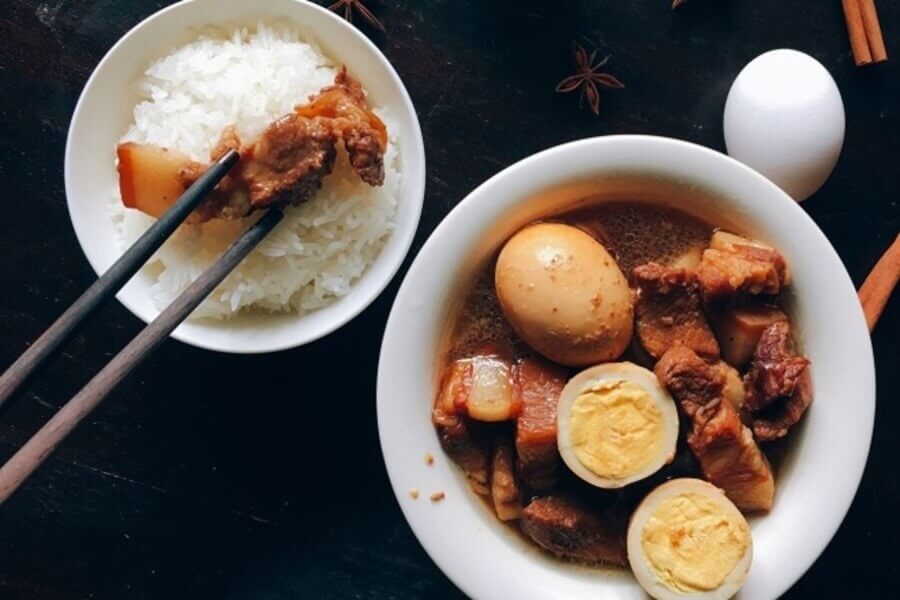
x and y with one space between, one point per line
105 110
818 479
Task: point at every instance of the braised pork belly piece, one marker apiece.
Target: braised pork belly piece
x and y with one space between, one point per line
775 370
738 329
539 384
482 387
775 422
731 459
734 265
346 108
463 443
505 491
778 387
460 436
697 385
285 165
668 311
724 447
568 529
487 388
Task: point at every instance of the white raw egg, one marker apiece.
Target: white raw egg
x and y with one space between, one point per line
616 424
688 541
784 117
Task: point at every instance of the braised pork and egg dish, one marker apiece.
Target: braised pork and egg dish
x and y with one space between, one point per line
615 385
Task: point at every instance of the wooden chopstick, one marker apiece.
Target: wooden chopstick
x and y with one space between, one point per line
44 442
114 278
877 288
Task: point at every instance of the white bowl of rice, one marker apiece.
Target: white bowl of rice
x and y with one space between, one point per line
177 80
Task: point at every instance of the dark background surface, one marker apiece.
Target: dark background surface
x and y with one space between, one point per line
208 475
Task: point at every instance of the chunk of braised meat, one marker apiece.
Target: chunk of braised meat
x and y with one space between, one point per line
366 153
463 443
775 369
285 166
539 384
668 311
505 491
734 265
570 530
774 422
459 435
345 106
289 161
778 385
730 458
696 384
728 455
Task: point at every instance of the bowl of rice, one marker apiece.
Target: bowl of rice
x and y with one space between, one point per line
177 80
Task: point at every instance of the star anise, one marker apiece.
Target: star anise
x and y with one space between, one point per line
588 77
349 5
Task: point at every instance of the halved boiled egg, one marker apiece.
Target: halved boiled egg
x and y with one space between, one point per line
616 424
687 540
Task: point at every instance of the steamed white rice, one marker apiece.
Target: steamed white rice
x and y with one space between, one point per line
249 78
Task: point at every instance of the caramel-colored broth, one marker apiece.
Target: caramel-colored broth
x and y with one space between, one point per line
636 233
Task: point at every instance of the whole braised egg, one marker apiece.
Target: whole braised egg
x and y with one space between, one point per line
564 294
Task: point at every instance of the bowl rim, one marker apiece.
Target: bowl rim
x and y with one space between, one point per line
405 235
387 390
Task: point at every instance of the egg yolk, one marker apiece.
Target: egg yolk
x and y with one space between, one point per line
616 429
692 542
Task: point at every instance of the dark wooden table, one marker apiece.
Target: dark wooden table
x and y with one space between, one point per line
208 475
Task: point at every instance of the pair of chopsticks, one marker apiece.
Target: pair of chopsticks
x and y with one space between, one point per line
866 40
30 456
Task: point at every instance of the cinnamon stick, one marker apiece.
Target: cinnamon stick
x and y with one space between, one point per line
855 27
873 30
876 289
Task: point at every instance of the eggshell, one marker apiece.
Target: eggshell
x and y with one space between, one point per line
564 294
784 117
